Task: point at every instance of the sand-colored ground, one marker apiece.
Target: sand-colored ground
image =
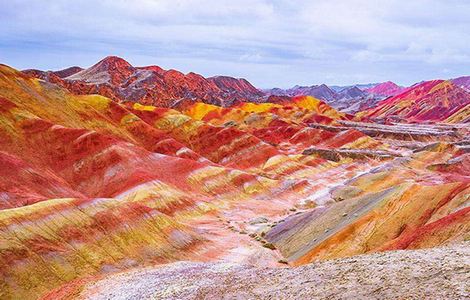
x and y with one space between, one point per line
438 273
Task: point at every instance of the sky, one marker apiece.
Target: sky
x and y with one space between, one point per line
270 43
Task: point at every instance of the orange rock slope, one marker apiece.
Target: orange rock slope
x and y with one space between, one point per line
90 186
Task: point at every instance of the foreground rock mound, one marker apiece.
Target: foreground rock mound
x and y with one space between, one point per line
439 273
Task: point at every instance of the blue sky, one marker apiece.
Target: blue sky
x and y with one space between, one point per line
271 43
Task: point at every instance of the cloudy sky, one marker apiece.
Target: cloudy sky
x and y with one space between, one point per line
271 43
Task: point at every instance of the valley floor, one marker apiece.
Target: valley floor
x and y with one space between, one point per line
437 273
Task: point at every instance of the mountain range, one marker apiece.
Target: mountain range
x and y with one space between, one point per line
349 99
436 99
117 79
110 172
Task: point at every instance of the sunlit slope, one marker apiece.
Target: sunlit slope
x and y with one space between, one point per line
300 110
403 205
117 79
435 101
91 186
127 202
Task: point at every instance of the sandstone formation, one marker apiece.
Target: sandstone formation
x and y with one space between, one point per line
160 167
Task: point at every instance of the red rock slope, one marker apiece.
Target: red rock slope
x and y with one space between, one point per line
115 78
386 89
91 186
434 101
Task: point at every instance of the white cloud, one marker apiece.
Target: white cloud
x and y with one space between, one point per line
301 42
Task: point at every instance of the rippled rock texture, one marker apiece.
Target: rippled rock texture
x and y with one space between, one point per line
91 185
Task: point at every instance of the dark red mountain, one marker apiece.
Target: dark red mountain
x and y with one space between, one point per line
117 79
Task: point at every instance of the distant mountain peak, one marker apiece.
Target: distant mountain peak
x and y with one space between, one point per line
111 63
463 82
112 69
433 100
351 92
153 68
68 71
387 88
117 79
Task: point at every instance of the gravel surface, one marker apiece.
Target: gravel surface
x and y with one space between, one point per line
438 273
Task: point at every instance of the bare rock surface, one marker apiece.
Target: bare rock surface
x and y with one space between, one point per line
438 273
